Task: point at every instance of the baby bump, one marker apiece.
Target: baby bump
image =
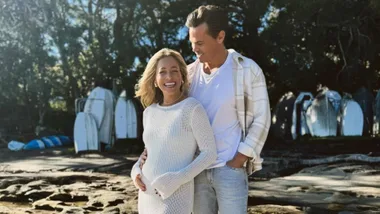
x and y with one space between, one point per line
185 189
181 201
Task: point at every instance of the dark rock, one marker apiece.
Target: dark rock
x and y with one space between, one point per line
38 194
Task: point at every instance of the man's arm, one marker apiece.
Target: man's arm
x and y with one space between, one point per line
143 157
257 104
258 108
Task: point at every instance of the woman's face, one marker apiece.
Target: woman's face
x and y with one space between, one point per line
168 77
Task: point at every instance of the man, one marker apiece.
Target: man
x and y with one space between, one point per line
233 91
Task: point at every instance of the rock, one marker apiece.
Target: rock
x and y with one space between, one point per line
38 194
106 199
60 197
340 198
73 210
10 198
79 186
38 184
45 204
92 208
23 190
278 209
12 189
112 210
322 188
6 182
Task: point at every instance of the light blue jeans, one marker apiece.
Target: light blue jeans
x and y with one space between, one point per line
222 188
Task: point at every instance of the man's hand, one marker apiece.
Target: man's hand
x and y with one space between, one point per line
143 158
238 161
139 183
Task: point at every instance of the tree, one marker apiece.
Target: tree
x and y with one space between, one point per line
332 43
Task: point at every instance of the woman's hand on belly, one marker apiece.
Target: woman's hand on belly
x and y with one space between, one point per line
140 183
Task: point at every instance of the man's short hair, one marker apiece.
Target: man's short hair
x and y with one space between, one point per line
215 18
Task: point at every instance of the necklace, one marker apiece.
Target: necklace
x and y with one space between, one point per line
172 103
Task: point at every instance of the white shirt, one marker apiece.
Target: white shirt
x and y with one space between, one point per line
215 92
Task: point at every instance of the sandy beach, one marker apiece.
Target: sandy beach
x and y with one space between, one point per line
60 181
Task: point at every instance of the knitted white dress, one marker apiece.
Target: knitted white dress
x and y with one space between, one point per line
172 135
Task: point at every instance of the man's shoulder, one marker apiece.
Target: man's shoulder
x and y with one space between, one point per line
246 62
191 70
191 66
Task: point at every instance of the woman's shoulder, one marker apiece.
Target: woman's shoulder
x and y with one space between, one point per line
191 101
149 108
193 105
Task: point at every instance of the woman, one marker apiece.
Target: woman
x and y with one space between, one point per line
175 127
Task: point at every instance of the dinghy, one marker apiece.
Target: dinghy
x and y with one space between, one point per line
376 118
98 110
86 133
299 125
365 100
126 118
282 117
321 117
351 118
79 104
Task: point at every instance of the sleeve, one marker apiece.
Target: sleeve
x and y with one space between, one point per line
168 183
259 110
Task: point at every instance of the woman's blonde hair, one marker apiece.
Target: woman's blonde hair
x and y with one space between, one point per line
146 90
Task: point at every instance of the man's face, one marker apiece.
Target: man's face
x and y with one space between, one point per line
203 44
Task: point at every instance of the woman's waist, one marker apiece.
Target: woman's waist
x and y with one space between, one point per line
151 169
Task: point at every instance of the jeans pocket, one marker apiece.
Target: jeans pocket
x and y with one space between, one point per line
233 168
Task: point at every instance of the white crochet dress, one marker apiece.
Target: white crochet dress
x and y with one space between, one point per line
172 135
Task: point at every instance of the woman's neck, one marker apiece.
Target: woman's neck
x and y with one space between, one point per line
168 101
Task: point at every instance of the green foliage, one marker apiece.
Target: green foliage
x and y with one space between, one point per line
334 43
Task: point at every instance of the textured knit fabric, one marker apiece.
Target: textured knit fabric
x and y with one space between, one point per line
172 135
252 106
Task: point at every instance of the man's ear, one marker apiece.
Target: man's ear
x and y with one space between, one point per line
221 36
